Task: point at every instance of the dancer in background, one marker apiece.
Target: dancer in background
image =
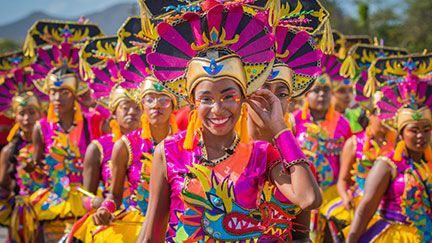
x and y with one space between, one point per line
377 140
322 132
132 162
18 177
288 81
399 184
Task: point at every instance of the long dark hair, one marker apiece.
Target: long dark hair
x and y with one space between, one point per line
15 143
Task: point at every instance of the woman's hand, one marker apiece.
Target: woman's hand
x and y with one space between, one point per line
347 199
267 110
102 217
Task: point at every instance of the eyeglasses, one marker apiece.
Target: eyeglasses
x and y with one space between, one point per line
227 101
163 101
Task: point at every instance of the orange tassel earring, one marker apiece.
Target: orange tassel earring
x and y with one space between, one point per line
428 154
305 110
173 124
115 129
400 147
51 116
13 132
145 125
330 112
193 126
241 126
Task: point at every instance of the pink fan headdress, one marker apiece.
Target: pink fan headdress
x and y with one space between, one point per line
296 53
406 88
17 87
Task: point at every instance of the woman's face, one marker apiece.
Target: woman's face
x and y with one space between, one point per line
26 117
281 91
158 108
319 98
127 115
343 97
417 135
218 105
62 99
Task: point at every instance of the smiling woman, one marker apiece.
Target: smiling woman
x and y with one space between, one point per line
207 181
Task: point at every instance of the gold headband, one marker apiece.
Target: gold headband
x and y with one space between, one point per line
406 116
152 85
205 69
118 94
324 80
25 99
343 83
282 73
66 81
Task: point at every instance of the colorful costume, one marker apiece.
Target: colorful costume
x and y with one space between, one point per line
405 208
322 141
128 220
64 150
298 71
219 200
16 210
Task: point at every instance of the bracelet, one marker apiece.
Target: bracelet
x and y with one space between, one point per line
271 168
288 165
279 133
88 203
109 205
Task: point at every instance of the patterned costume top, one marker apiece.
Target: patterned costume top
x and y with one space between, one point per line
220 202
323 143
365 156
105 146
139 167
61 147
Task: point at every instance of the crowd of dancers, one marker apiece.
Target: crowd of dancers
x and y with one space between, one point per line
215 121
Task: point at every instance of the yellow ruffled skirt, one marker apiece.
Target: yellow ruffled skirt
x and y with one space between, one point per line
318 221
5 211
399 233
23 221
125 228
48 205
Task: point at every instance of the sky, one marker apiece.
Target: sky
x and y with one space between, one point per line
12 10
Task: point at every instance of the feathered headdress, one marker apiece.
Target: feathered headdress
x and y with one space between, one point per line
406 87
17 88
297 61
359 59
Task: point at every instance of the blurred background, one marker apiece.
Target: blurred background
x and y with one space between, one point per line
403 23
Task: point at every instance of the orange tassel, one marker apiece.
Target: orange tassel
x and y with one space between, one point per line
193 126
51 116
428 154
305 110
78 116
241 126
115 129
173 124
330 112
145 125
13 132
288 121
400 147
